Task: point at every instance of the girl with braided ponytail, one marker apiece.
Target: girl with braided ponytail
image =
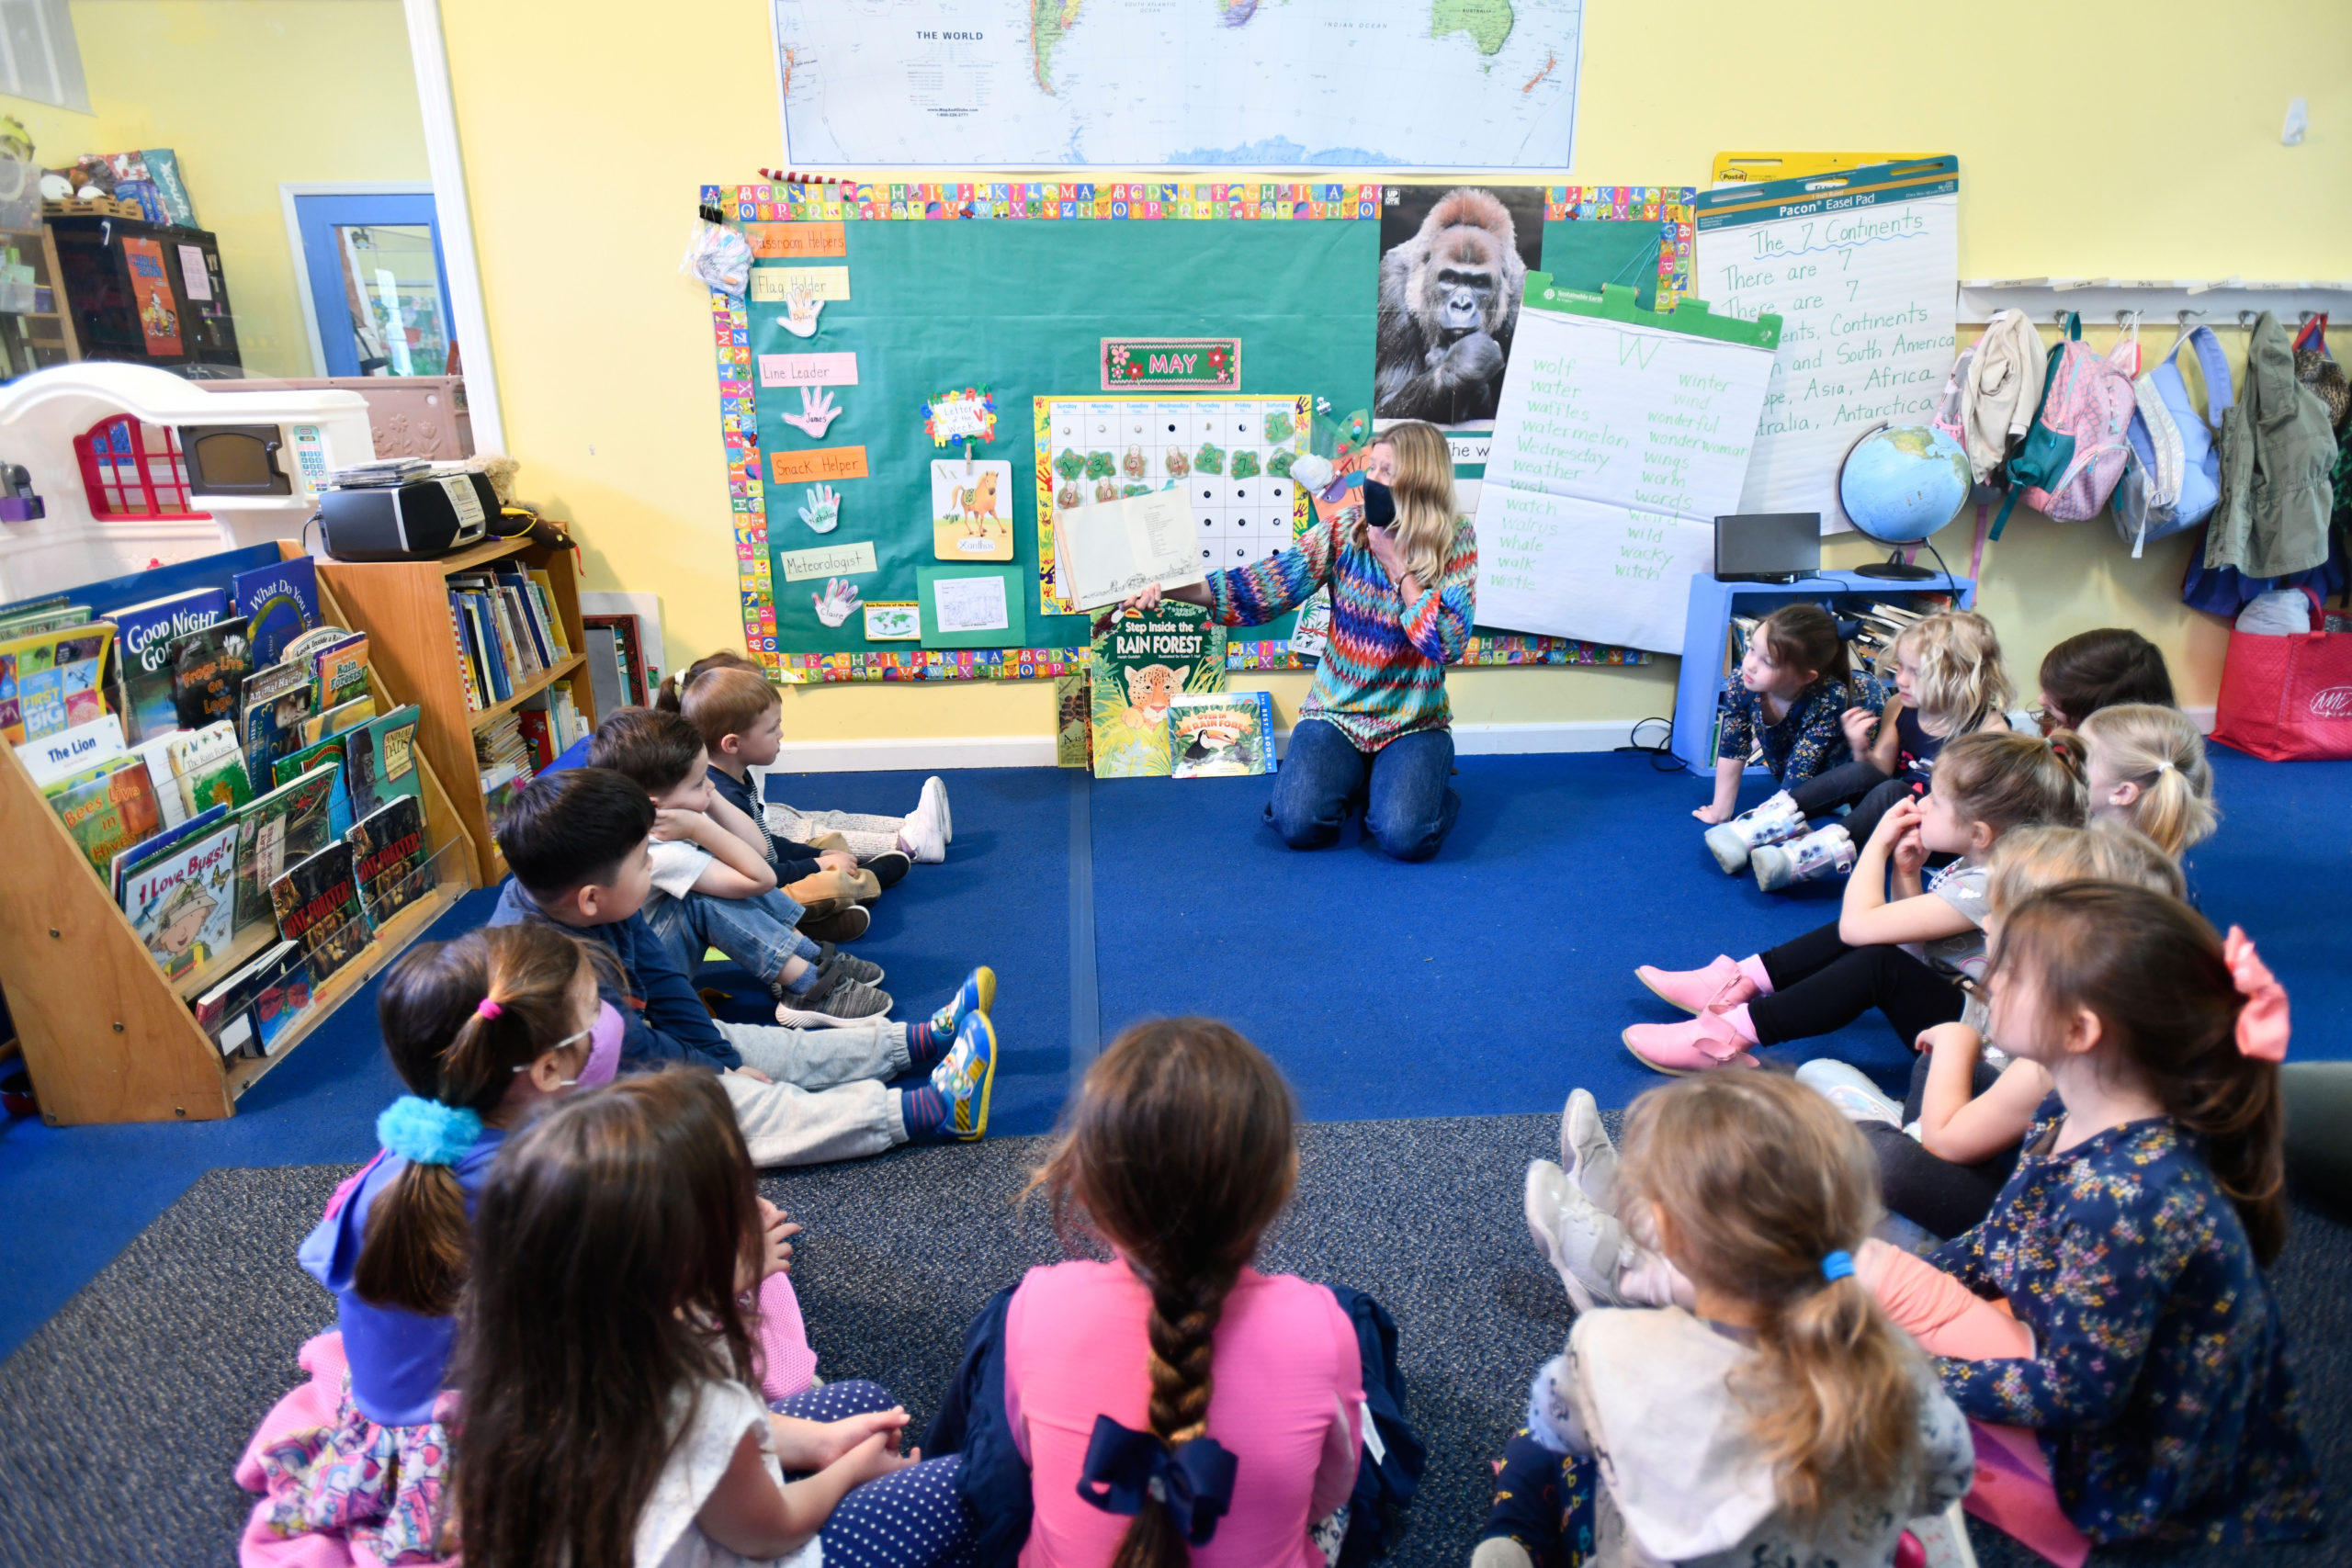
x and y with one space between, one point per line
481 1029
1174 1405
1775 1415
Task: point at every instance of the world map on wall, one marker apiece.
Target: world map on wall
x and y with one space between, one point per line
1178 83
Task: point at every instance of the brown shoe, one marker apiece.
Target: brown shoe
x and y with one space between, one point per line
846 924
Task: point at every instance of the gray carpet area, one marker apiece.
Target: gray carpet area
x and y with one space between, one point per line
121 1419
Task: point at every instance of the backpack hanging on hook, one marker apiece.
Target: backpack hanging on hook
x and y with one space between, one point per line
2177 472
2075 455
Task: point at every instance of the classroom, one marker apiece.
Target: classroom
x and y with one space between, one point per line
922 783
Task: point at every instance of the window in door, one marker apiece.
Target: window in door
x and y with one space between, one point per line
378 292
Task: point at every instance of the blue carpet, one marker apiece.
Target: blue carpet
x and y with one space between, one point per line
1486 982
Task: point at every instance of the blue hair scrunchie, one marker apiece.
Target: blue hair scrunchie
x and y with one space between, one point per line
425 1132
1837 1266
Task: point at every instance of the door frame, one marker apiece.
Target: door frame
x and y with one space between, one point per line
288 190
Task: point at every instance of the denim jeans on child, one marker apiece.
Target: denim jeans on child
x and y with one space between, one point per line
1408 807
759 932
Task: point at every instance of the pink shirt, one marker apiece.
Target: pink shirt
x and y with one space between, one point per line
1286 1402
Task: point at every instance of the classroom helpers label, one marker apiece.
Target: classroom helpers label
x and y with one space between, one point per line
1863 269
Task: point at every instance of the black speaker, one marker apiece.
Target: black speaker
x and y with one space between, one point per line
417 521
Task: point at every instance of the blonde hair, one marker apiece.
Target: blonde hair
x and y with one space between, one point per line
1754 1180
2043 856
1427 513
2006 780
1962 679
2160 750
722 694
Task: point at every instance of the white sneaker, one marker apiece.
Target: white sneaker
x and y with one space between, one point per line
1586 1151
1500 1552
1775 821
934 793
1580 1243
920 834
1851 1090
1829 852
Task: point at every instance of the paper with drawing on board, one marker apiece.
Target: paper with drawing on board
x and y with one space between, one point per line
1862 267
1617 442
972 604
1113 551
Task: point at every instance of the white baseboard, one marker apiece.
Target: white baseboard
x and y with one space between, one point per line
2201 717
1037 750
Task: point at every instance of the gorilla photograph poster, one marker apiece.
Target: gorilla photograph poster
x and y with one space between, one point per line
1453 261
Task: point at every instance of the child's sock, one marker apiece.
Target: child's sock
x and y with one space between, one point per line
1741 1024
924 1111
798 985
926 1044
1753 967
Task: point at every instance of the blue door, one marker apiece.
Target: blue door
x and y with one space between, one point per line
378 286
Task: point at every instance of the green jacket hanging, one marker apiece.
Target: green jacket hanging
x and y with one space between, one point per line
2277 452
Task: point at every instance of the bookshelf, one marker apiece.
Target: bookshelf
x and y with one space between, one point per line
1707 632
35 340
106 1037
403 606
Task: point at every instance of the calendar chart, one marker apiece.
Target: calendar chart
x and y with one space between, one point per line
1231 456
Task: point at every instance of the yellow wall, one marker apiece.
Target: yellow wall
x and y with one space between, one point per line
248 93
2171 167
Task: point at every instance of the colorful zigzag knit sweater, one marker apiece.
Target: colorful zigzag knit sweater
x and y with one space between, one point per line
1383 674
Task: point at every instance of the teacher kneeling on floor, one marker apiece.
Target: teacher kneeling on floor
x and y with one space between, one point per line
1375 731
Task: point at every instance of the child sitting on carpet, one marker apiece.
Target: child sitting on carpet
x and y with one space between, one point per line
712 883
1902 957
741 717
1945 1151
1782 1418
2106 1328
2100 669
1794 689
353 1465
611 1406
2145 765
1950 681
577 843
1172 1404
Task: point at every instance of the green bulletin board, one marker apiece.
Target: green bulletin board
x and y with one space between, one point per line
1020 309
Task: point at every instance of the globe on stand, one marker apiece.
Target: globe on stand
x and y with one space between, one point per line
1899 484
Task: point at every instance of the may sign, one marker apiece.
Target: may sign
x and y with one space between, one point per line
1171 364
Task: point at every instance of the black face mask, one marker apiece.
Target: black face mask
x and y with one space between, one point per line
1379 505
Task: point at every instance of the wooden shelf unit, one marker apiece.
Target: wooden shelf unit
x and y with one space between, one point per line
40 338
106 1037
403 606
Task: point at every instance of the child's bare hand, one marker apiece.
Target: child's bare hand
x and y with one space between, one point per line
1859 724
752 1073
1946 1037
1901 817
878 1456
1910 853
838 860
672 825
1709 816
776 1230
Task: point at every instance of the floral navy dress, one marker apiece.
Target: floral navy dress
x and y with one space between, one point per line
2160 1383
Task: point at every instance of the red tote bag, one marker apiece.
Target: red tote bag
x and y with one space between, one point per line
2288 699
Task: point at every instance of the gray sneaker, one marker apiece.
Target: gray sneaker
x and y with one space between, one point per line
847 1002
1582 1245
849 966
1585 1150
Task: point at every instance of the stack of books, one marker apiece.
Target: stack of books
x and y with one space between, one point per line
508 632
215 756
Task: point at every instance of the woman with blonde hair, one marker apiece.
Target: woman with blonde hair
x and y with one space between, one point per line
1376 729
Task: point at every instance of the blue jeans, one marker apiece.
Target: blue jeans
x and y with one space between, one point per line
1408 807
760 933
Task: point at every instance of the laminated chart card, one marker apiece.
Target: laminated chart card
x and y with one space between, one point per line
1862 267
1621 436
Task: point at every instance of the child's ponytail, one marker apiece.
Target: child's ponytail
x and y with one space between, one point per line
666 698
1759 1188
2160 751
2201 1026
1178 1152
457 1018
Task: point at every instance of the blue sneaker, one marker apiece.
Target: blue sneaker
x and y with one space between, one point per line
968 1074
976 994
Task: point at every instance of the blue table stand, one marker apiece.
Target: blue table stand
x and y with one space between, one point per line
1713 604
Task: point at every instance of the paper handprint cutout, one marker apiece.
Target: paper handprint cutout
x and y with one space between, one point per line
818 412
838 602
800 307
822 510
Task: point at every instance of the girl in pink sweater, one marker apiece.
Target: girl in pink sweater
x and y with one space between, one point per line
1174 1405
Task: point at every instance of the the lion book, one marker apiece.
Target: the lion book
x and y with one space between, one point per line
1137 665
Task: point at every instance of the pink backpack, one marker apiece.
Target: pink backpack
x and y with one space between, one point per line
2074 456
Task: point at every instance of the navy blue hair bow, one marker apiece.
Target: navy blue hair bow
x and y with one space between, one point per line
1125 1467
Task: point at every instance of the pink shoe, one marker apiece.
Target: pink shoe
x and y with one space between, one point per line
1723 984
1698 1046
